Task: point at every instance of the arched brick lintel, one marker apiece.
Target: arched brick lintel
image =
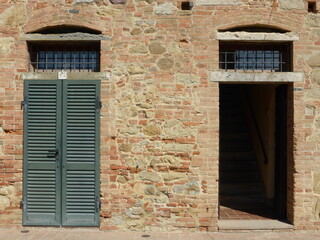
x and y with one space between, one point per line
240 23
37 24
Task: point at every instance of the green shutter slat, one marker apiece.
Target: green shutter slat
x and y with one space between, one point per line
81 154
41 131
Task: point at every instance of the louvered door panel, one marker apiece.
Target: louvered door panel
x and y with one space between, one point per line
81 153
41 165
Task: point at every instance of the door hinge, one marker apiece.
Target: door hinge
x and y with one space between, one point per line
23 205
24 105
98 205
98 104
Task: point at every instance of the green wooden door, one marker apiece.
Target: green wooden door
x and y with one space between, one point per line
61 153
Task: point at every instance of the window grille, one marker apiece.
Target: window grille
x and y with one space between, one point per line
76 57
270 57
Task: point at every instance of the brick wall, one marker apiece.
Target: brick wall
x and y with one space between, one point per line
160 115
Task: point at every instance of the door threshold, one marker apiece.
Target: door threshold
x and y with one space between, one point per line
254 225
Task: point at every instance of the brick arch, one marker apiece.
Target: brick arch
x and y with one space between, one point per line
66 29
248 24
277 21
256 27
36 24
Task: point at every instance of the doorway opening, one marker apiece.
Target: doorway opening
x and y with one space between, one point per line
253 151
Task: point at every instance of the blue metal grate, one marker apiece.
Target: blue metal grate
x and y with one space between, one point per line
70 58
254 58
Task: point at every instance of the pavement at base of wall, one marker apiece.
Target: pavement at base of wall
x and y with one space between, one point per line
94 234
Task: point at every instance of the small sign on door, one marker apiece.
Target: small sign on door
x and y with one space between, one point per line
62 75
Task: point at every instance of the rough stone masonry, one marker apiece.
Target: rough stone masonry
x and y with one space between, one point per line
160 115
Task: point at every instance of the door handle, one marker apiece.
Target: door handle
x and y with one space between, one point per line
53 154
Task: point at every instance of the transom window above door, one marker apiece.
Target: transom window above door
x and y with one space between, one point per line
272 57
69 56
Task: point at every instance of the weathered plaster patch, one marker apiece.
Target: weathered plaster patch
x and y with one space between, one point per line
5 44
14 16
256 77
257 36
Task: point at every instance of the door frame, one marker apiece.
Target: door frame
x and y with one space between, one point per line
281 151
283 137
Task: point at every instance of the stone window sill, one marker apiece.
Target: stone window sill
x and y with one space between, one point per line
261 77
70 76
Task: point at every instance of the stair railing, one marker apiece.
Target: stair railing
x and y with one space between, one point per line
266 160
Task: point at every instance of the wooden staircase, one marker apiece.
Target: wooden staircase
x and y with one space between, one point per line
240 182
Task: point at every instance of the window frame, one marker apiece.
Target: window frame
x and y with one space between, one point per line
284 47
34 48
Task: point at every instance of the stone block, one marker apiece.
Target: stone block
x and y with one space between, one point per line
83 1
150 30
118 1
7 191
138 48
257 36
135 69
162 199
156 48
125 147
137 211
136 31
121 179
316 182
141 161
218 2
108 11
152 130
187 79
317 208
314 60
5 44
165 63
144 105
166 9
14 16
4 202
315 76
150 190
171 176
313 20
150 176
191 188
292 4
177 147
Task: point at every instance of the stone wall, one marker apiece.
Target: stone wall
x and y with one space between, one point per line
160 115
